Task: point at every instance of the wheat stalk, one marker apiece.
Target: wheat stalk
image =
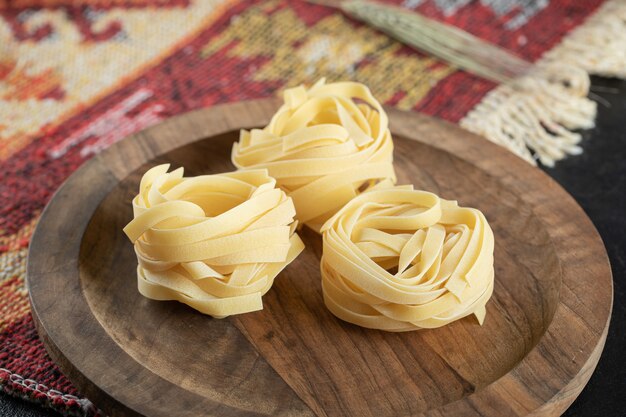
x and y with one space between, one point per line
448 43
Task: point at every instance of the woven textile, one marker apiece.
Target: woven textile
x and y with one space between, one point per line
77 76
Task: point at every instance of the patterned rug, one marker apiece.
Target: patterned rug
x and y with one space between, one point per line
77 76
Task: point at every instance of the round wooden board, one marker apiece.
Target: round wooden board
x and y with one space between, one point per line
543 335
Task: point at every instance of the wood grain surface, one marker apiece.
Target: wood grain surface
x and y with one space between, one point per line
543 335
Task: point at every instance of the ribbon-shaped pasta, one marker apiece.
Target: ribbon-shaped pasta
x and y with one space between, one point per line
399 259
213 242
324 146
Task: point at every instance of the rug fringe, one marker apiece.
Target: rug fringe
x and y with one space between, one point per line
30 390
598 45
537 117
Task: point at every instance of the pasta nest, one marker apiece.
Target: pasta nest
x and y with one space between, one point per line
399 259
213 242
324 146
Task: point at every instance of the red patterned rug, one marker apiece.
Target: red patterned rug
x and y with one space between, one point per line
77 76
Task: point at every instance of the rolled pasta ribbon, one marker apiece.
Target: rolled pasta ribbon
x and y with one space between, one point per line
324 146
213 242
399 259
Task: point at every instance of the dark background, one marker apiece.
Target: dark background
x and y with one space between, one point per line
597 180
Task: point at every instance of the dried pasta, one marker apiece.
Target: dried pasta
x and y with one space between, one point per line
399 259
324 146
213 242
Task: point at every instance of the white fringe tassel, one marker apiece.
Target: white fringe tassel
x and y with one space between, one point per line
537 116
599 45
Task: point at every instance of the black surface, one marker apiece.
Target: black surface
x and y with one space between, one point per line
597 180
14 407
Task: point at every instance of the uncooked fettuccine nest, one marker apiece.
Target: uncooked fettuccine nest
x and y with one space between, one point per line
324 146
399 259
213 242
